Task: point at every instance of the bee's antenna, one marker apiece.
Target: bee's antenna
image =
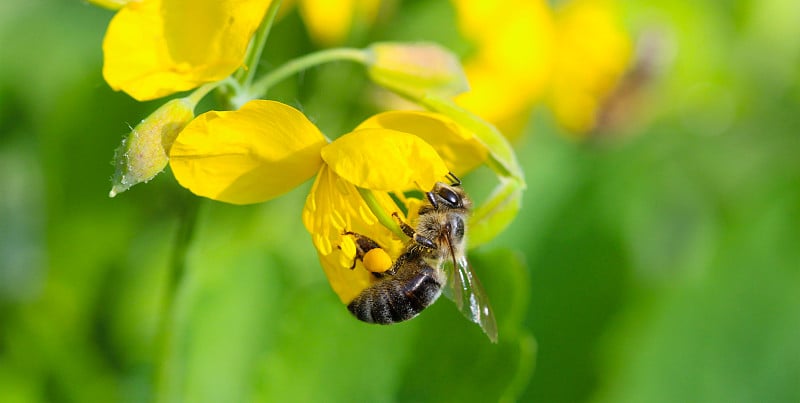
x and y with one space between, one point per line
452 177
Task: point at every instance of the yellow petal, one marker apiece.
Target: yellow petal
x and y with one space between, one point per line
385 160
155 48
143 154
412 206
247 156
333 207
458 147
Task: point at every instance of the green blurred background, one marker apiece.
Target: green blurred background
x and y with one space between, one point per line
660 266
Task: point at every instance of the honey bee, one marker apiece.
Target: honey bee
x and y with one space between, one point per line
434 261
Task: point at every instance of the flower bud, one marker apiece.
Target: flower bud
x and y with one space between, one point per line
414 70
144 152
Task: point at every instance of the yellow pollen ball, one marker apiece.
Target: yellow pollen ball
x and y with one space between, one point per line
377 260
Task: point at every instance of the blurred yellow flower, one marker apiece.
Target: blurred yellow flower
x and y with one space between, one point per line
329 22
513 57
267 148
592 55
526 53
153 48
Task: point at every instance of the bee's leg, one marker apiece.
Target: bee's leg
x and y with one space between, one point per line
411 233
426 242
387 273
407 229
392 270
364 244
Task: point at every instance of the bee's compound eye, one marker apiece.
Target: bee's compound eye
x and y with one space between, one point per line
450 197
377 260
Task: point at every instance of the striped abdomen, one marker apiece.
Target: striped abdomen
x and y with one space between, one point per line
401 296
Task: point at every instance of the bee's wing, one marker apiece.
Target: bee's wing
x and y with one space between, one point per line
464 288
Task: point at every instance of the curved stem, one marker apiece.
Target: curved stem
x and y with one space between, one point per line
263 84
198 94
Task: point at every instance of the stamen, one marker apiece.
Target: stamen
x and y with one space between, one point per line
348 248
323 244
337 220
366 215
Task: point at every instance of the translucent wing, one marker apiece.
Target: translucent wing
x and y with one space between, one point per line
464 288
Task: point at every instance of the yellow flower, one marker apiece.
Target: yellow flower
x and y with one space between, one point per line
232 156
153 48
513 58
526 53
266 148
593 53
329 22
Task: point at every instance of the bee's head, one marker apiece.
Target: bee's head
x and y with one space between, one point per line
450 197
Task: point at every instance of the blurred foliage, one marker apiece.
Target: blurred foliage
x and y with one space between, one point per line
656 263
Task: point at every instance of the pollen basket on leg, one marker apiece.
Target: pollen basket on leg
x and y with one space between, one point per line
377 261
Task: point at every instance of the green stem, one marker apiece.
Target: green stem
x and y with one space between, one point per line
202 91
260 87
188 219
244 76
175 276
384 218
